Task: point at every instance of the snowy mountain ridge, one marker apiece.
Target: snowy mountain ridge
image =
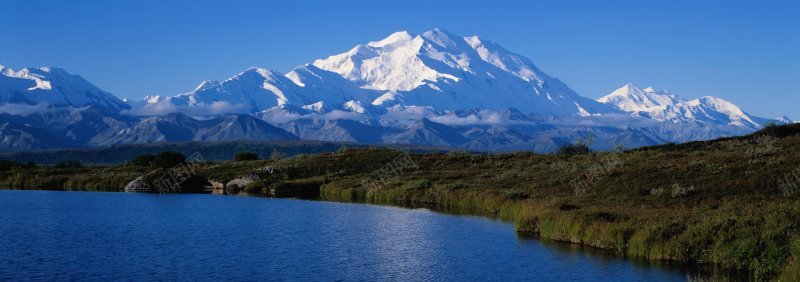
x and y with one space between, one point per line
664 106
450 72
436 69
53 87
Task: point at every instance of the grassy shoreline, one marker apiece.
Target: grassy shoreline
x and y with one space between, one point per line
712 203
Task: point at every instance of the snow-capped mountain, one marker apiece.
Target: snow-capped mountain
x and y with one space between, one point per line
449 72
784 120
630 98
667 107
30 89
258 89
435 88
249 91
437 70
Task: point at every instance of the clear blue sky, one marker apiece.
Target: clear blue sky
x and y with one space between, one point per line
744 51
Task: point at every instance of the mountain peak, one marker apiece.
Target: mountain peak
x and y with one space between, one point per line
441 32
651 89
207 84
630 98
259 70
400 36
52 69
785 120
443 38
258 73
734 114
631 89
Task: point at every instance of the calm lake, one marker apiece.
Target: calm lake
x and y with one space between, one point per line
99 236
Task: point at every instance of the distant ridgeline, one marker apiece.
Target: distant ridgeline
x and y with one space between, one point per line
213 151
210 151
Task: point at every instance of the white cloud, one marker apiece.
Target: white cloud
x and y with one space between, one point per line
202 110
337 114
22 109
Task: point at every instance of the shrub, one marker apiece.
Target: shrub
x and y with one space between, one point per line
418 184
69 164
8 165
516 195
458 154
161 160
657 191
455 185
569 150
168 159
680 191
144 160
567 207
304 189
779 131
676 191
245 156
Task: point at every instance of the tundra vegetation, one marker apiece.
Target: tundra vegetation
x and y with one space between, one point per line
730 203
245 156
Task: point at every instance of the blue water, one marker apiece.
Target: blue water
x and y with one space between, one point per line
122 236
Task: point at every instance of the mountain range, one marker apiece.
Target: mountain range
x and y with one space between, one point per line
435 88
